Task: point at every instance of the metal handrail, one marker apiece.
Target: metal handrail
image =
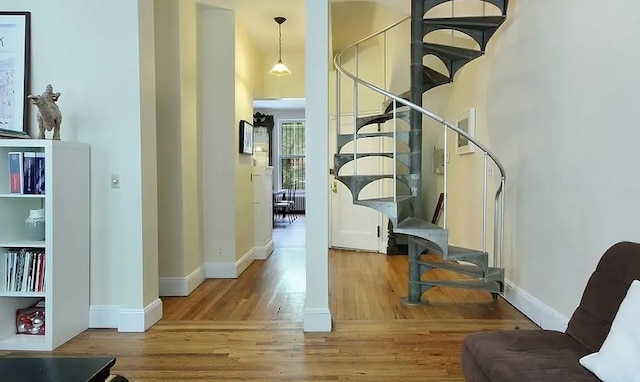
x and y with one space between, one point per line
365 39
499 195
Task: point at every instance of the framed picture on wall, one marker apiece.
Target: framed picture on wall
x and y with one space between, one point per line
14 73
466 122
246 137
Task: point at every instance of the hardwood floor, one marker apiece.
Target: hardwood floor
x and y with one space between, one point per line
251 328
362 286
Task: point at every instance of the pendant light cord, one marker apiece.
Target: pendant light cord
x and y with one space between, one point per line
280 42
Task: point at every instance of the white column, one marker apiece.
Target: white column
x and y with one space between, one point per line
317 316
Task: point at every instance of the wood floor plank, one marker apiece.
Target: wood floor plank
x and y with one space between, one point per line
250 328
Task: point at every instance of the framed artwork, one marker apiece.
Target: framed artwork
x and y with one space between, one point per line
14 72
466 122
246 137
266 121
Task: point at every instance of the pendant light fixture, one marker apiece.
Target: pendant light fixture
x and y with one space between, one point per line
280 68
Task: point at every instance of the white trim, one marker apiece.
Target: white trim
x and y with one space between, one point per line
229 270
243 263
538 312
263 252
125 320
317 320
181 286
139 320
194 279
103 316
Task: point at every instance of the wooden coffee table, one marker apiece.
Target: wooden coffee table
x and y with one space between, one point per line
85 369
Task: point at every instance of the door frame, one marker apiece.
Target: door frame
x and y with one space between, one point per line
382 220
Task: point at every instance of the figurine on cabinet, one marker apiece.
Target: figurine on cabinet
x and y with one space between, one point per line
49 115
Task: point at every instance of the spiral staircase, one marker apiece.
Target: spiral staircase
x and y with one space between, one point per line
401 122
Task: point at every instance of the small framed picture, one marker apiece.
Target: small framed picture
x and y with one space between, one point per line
246 137
466 122
14 72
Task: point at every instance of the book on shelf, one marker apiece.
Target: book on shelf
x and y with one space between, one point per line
39 173
24 270
16 169
26 172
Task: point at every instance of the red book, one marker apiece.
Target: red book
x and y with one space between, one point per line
16 166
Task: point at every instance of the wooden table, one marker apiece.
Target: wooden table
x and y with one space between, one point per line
86 369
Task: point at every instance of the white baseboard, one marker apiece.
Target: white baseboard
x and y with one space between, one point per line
181 286
125 320
536 310
263 252
139 320
104 316
317 320
229 270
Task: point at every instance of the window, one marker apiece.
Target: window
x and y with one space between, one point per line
292 154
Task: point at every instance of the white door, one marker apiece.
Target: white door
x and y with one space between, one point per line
353 226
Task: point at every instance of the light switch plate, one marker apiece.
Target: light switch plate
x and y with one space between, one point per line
115 181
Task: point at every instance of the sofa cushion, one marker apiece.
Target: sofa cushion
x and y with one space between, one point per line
523 355
605 290
617 360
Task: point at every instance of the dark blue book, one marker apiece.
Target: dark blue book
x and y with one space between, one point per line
39 174
28 172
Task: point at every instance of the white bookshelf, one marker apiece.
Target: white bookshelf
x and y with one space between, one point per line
66 244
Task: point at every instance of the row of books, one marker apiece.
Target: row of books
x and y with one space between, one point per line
26 172
24 270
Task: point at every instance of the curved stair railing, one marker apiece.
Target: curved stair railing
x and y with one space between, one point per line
403 210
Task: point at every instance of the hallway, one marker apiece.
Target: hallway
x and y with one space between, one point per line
269 290
362 286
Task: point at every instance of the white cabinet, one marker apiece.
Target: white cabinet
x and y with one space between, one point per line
66 243
263 211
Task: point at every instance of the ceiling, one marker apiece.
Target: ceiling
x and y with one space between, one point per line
257 16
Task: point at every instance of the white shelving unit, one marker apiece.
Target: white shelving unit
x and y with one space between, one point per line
66 244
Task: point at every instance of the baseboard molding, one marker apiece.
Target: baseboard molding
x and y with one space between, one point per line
194 279
181 286
538 312
317 320
139 320
263 252
229 270
104 316
125 320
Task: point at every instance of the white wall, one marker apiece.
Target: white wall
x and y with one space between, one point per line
227 89
317 316
191 137
219 137
148 158
555 103
169 139
106 102
249 84
179 187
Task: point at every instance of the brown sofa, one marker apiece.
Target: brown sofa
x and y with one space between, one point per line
544 355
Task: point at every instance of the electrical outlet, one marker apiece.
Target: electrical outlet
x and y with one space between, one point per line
219 252
490 171
115 181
